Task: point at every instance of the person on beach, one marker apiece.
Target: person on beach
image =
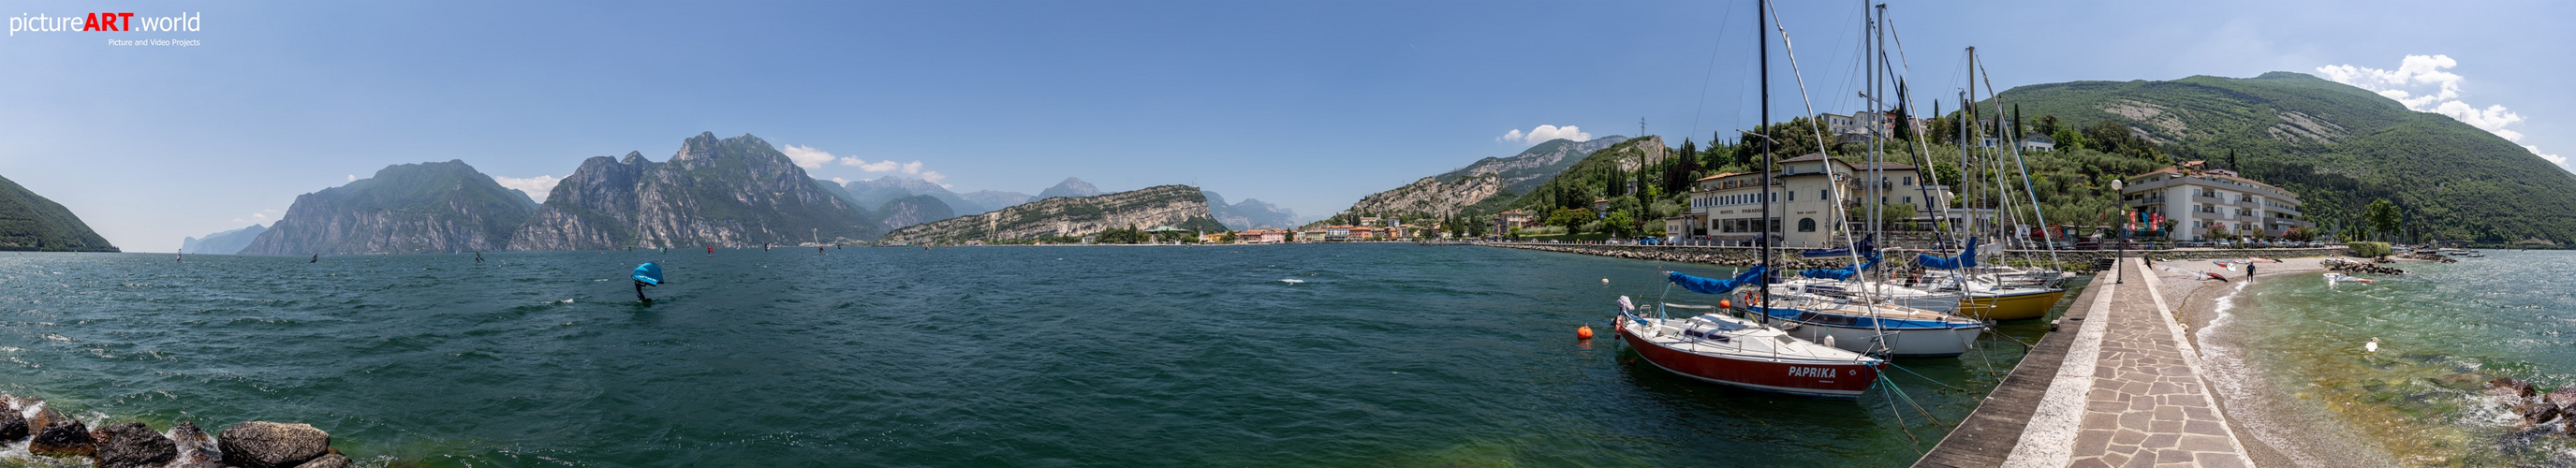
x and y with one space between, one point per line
2249 271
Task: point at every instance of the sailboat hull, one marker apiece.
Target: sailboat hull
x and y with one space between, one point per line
2010 305
1841 380
1909 343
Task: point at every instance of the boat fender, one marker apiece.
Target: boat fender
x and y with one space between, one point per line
1829 341
1723 304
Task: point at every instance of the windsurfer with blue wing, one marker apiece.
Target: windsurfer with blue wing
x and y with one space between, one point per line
648 274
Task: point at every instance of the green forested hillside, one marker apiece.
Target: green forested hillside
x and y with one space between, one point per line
31 222
2337 146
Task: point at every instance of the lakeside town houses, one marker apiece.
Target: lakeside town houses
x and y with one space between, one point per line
2207 203
1727 208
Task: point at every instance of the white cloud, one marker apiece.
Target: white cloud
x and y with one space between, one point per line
840 181
353 177
2407 84
536 187
806 156
1544 133
814 159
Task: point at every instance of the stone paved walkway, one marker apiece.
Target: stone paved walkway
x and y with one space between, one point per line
2144 403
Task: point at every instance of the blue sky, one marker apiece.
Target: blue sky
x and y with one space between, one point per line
1307 104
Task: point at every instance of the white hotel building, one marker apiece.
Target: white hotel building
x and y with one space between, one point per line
2198 201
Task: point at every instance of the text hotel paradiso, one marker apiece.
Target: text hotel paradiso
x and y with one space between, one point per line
112 22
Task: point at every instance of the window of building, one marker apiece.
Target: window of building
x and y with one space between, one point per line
1909 180
1793 196
1806 224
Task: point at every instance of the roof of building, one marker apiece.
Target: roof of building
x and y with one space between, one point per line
1722 176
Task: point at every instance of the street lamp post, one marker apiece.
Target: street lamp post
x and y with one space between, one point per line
2121 255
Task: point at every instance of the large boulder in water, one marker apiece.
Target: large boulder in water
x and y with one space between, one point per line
2537 413
2562 397
12 425
133 445
196 450
328 461
2519 387
263 444
63 437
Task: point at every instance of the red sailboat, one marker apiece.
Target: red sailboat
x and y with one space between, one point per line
1741 352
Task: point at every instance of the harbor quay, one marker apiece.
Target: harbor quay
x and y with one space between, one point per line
2117 381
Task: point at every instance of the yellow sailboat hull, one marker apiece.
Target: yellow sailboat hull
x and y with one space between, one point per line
2011 306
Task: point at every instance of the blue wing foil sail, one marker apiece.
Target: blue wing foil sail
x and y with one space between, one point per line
649 273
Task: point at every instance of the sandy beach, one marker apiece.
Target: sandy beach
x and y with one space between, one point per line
2282 432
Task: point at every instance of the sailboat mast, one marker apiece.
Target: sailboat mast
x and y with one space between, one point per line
1762 42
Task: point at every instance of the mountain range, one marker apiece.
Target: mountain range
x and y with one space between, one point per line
2338 147
730 191
1250 214
426 207
224 243
30 222
1070 187
1482 186
1179 206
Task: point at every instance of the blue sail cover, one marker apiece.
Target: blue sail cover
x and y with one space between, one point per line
1840 273
1867 244
1967 258
1715 286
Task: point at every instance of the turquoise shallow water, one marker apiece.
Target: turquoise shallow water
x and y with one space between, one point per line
2443 331
1387 355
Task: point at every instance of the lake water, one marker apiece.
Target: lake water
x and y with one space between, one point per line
2443 331
1388 355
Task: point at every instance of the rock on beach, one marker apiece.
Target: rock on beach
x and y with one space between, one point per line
263 444
133 445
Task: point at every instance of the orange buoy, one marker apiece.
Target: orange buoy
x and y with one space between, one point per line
1722 304
1584 332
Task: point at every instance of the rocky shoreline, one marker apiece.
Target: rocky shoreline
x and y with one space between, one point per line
67 441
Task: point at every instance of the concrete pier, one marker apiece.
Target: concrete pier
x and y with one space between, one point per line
2124 389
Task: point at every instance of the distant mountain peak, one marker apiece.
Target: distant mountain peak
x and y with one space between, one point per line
1070 187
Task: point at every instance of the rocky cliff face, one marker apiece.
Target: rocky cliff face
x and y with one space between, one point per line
1431 196
31 222
1535 165
912 210
1168 205
1453 192
427 207
729 192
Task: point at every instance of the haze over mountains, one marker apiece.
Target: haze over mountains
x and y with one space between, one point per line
224 243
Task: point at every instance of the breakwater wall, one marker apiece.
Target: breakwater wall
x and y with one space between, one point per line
2065 260
255 444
